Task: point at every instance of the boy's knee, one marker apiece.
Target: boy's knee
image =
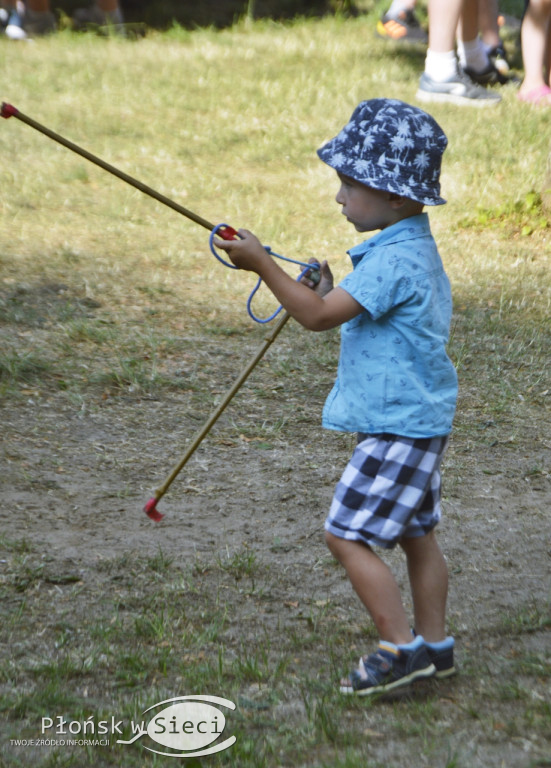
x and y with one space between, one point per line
334 544
341 549
418 543
329 539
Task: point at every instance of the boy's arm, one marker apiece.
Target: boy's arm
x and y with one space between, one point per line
317 310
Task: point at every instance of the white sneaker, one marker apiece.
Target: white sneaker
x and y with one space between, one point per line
14 28
459 89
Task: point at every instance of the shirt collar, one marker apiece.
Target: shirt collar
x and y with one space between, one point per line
403 230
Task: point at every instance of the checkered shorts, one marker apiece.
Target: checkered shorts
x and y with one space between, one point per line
389 490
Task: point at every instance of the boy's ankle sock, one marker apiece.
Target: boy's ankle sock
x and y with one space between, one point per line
385 645
472 54
441 645
440 66
412 645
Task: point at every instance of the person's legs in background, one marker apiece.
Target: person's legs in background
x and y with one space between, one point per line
443 80
472 49
31 18
400 23
101 14
535 37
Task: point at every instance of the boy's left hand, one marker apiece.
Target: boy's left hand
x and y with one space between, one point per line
324 284
246 253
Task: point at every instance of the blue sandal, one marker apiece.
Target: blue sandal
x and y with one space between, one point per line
389 667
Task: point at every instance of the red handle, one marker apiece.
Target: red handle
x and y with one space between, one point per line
227 233
8 110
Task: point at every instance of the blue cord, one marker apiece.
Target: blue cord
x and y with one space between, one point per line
307 268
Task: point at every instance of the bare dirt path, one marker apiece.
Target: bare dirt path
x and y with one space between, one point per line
75 479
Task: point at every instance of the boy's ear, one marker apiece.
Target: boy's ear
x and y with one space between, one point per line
396 201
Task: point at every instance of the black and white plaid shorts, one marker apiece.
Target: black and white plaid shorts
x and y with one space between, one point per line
390 490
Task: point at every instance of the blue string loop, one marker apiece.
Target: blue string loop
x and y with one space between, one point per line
213 249
315 267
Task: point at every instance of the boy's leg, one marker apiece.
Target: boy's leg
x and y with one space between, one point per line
428 576
399 660
375 586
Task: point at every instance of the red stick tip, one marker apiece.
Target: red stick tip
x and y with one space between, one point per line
151 510
7 110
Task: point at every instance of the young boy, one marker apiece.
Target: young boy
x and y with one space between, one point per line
396 387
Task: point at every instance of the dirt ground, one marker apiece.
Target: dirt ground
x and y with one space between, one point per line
75 477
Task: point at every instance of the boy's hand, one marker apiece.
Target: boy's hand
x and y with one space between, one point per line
246 253
325 283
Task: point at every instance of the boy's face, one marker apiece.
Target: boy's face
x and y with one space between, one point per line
367 209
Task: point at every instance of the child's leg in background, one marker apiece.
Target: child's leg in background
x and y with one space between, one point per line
108 6
535 31
471 49
428 576
376 587
39 6
488 23
441 61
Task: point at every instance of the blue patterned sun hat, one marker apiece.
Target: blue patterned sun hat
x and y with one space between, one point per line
393 146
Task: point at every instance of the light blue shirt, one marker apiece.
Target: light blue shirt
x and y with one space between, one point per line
394 374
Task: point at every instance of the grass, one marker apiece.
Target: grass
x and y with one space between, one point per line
107 297
114 657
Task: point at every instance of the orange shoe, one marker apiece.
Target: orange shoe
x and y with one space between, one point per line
403 27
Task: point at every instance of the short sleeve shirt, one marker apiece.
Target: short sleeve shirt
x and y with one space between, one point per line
394 374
